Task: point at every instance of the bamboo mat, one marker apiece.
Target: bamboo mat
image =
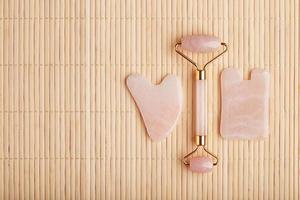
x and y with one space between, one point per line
70 129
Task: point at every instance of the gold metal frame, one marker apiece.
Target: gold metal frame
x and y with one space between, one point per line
193 62
185 158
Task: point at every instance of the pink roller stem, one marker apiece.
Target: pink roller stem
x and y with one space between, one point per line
200 108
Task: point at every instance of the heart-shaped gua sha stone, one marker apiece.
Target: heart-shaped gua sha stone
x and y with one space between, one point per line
160 105
245 105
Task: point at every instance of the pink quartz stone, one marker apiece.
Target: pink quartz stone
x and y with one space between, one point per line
160 105
201 164
245 105
200 43
200 117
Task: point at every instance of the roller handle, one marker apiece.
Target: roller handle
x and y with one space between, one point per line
200 108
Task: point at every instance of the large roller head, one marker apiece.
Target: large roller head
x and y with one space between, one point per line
200 43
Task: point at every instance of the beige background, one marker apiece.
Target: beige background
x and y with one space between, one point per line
69 128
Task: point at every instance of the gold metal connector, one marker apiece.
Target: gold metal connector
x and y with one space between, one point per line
200 140
201 74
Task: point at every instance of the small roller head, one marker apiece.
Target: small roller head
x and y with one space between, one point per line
200 43
201 164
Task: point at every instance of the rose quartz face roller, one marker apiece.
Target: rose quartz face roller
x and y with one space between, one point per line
200 44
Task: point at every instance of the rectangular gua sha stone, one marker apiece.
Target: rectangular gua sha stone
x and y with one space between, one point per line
245 105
